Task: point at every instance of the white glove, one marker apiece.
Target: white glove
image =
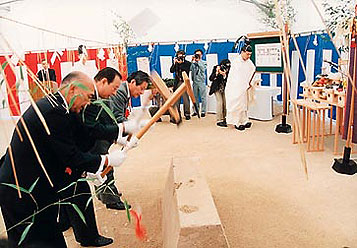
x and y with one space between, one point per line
117 158
131 126
143 123
98 179
122 140
134 141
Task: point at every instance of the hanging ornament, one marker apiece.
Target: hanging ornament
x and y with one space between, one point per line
57 54
150 47
14 59
206 46
315 41
112 54
101 54
177 47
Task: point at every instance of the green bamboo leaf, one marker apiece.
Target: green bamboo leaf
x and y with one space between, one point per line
66 91
35 89
3 66
127 210
33 185
24 233
21 73
79 212
89 200
100 111
62 203
15 187
84 179
72 101
69 185
80 85
106 109
17 85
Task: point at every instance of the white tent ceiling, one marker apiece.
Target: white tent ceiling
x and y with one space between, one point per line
178 20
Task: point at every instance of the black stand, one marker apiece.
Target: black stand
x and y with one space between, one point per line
283 127
345 165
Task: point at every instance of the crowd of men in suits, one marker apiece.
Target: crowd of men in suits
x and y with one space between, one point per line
77 146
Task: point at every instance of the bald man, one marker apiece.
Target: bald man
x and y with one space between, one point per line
57 151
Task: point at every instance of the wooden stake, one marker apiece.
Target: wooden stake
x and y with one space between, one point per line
165 93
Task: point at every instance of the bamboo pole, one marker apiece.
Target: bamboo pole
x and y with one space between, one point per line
10 149
25 127
287 66
351 114
14 171
38 112
299 53
32 75
12 98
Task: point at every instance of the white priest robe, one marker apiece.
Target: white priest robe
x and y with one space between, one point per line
238 82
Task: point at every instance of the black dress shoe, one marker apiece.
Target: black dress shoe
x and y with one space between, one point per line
240 128
188 117
98 242
194 114
203 115
117 206
222 124
248 125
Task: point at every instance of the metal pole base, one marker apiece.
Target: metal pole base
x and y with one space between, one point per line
283 127
345 165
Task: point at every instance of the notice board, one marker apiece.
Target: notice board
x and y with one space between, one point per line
267 52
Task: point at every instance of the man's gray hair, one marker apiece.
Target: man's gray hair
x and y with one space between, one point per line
70 77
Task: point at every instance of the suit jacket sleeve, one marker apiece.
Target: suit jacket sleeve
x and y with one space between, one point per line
98 129
39 75
53 75
118 104
173 68
63 144
213 74
186 67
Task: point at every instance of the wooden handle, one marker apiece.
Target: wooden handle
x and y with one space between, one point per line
175 96
186 80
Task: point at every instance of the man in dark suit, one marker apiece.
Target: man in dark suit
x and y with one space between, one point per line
95 132
47 76
56 151
135 86
180 65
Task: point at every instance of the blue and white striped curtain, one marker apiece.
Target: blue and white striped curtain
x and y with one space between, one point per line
314 49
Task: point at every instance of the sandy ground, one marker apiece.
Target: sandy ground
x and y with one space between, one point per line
257 182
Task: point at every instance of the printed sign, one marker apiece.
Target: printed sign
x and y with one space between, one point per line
268 55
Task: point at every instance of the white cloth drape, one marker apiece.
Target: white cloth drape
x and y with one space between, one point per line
88 68
239 77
